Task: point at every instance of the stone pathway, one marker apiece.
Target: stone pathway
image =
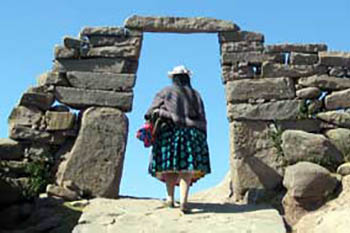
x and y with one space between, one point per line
149 216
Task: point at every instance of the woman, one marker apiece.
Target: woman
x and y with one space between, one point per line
180 153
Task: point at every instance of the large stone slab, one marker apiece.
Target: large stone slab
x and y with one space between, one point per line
270 70
59 120
95 163
231 72
307 125
101 81
341 119
135 215
267 89
179 24
241 36
242 46
109 32
303 58
52 78
255 163
280 110
335 58
251 57
301 48
38 97
80 98
113 65
308 93
325 82
26 116
338 99
298 145
10 149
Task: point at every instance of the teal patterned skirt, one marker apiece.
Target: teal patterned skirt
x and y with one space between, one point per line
179 149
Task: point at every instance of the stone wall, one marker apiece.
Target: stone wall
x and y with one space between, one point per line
286 103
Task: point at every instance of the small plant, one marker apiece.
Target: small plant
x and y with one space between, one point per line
39 177
303 110
276 136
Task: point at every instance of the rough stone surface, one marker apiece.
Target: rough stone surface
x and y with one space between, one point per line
61 52
80 98
251 57
337 71
122 50
65 194
341 119
52 78
344 169
101 81
59 120
254 159
280 110
232 72
267 89
299 145
179 24
335 59
113 65
271 70
26 116
10 149
308 93
241 36
95 163
242 46
37 97
338 99
303 59
325 82
135 215
301 48
340 137
307 125
109 32
308 180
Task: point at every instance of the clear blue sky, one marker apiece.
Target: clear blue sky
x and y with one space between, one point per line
30 29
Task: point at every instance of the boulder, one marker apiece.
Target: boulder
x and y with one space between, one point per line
267 89
299 145
59 120
308 93
271 70
241 36
334 58
10 149
81 98
251 57
325 82
95 162
65 194
255 162
344 169
338 99
179 24
341 119
101 81
340 137
25 116
300 48
279 110
303 58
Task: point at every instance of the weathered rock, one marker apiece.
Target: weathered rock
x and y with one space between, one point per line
38 152
80 98
131 52
325 82
344 169
308 180
59 120
38 97
308 93
52 78
271 70
179 24
251 57
341 119
300 48
233 72
73 43
95 163
133 215
109 32
338 99
101 81
307 125
298 145
254 158
241 36
242 46
23 133
10 149
334 58
26 116
280 110
338 72
341 139
303 59
65 194
61 52
113 65
267 89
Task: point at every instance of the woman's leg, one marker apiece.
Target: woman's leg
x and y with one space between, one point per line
170 180
185 182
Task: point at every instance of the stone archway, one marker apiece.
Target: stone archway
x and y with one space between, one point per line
268 89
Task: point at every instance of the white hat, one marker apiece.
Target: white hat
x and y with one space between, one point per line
179 70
